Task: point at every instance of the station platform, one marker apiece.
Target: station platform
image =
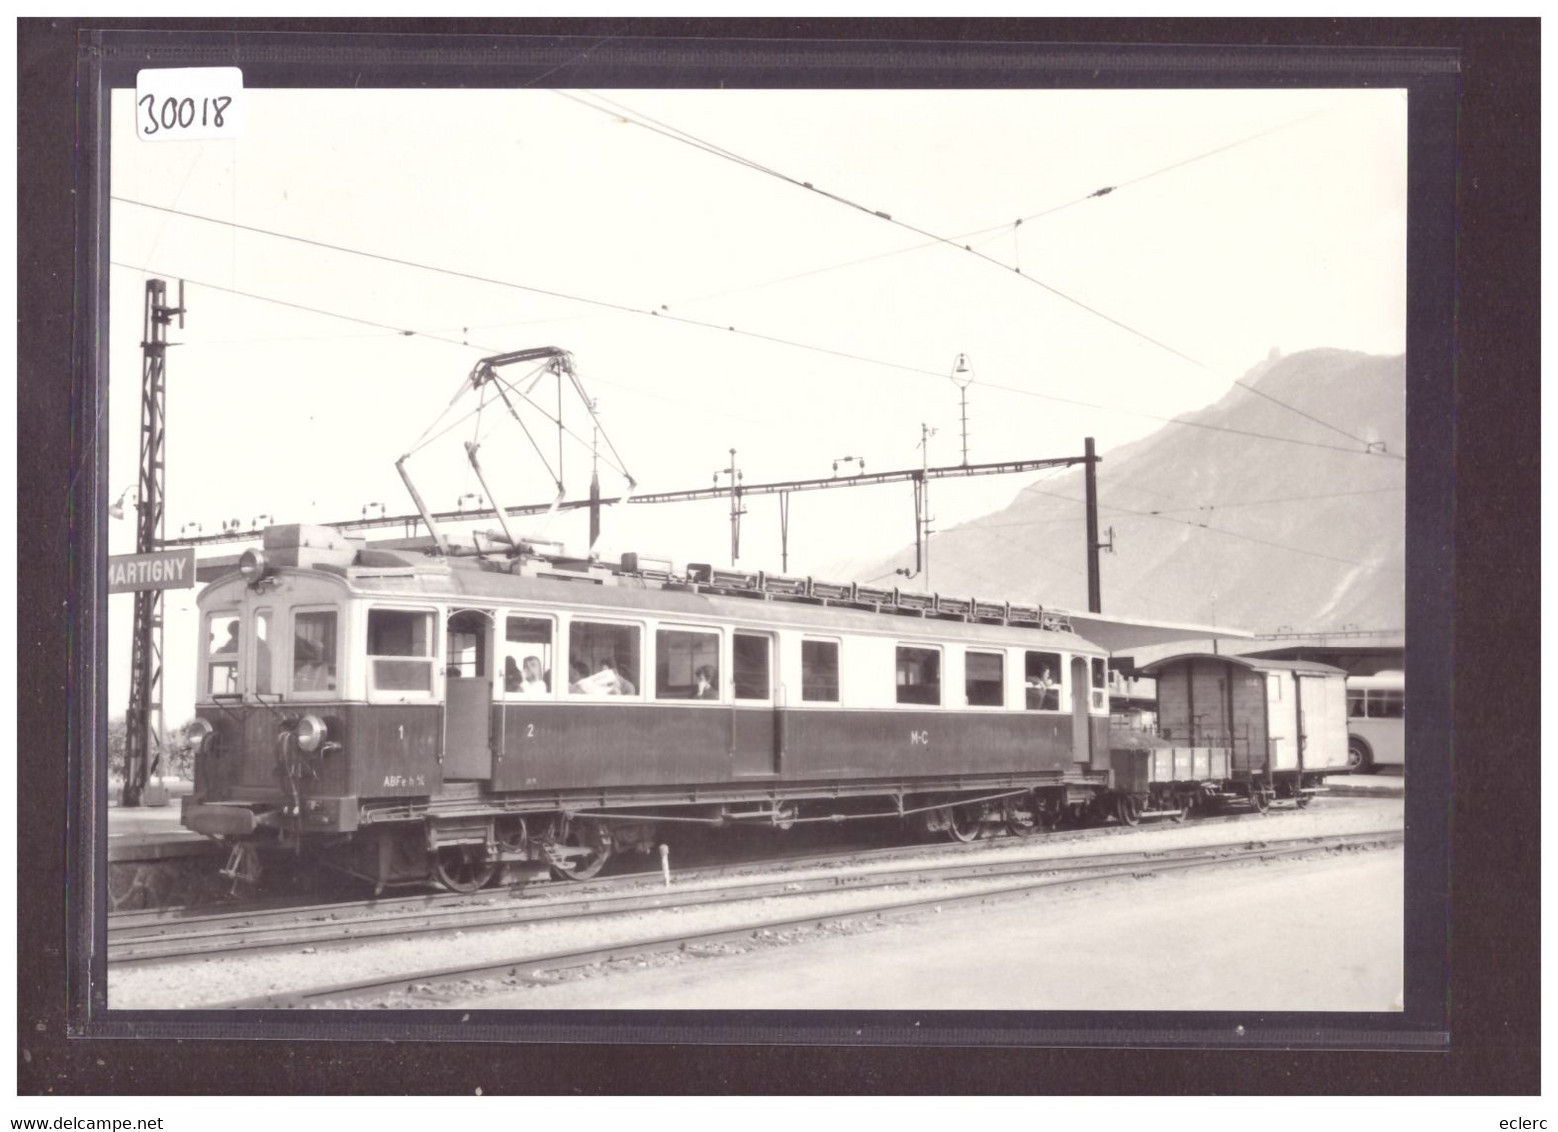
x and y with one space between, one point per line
1386 783
153 833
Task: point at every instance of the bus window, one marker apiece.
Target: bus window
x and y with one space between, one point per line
222 650
1388 703
313 651
1355 703
400 645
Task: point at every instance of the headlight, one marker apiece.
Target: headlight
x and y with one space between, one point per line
311 733
251 564
201 736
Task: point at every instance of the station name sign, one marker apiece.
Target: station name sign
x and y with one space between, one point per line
159 570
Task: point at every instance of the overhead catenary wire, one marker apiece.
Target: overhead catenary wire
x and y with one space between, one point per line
680 135
1097 194
1208 527
757 335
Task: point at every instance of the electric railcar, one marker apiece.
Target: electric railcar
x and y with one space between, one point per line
413 718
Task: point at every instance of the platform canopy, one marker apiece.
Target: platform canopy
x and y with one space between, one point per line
1118 634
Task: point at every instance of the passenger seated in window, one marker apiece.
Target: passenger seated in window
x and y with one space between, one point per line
1042 693
511 676
531 682
607 682
704 689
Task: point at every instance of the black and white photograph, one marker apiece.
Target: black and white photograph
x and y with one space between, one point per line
691 558
803 549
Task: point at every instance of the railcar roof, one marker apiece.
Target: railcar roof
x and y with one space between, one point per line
633 595
628 595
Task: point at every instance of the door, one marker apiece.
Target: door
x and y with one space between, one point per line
468 696
1081 729
1282 721
754 712
1322 705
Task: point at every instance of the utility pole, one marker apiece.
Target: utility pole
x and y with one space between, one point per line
594 476
922 516
143 720
736 510
1094 597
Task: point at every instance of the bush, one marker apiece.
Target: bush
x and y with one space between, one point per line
178 757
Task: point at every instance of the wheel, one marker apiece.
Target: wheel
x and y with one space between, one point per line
1302 799
585 835
1359 758
1258 799
1179 808
1023 819
1128 810
462 868
964 822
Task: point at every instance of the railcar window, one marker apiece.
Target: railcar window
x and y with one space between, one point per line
686 665
749 659
222 646
1041 680
603 659
820 671
984 677
400 641
263 678
1100 683
919 675
313 651
467 649
527 656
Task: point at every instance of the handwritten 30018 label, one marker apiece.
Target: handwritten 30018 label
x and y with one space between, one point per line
188 103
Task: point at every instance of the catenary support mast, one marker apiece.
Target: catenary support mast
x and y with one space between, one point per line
143 720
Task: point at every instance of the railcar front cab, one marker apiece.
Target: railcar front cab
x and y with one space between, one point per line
273 695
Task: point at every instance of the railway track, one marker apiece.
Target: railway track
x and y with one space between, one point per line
144 936
883 894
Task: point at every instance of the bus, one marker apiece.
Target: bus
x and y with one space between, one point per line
1376 721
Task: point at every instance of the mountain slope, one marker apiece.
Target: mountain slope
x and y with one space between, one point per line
1256 521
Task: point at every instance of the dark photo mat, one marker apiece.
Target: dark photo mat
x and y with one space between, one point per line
1434 60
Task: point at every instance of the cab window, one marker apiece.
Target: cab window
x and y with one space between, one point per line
263 677
1100 684
400 649
222 649
314 651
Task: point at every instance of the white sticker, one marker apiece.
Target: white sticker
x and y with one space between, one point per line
188 103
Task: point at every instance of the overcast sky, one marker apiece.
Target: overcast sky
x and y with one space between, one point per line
1239 221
